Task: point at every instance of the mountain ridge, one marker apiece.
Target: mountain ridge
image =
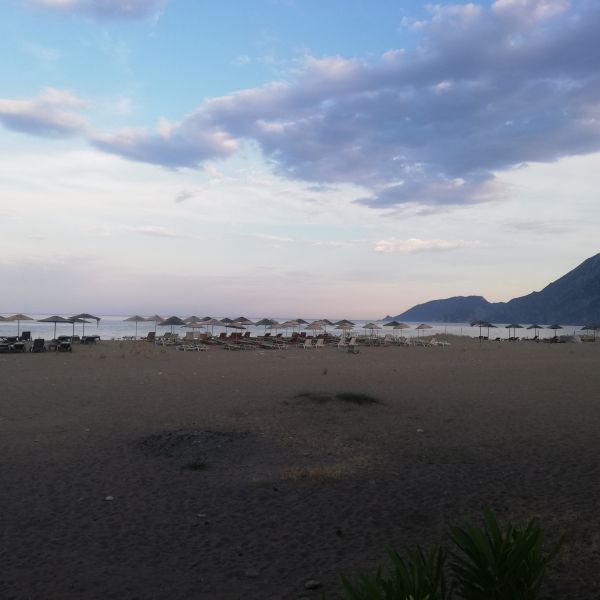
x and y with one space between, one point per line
573 298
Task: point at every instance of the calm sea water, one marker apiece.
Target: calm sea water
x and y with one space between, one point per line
114 327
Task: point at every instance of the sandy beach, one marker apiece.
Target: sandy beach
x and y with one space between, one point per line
135 471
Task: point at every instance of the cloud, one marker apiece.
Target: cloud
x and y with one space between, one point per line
486 88
103 9
50 114
157 231
396 246
269 238
172 145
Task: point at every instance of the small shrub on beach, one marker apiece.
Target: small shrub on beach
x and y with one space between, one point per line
196 465
351 397
313 473
418 576
488 563
355 398
496 563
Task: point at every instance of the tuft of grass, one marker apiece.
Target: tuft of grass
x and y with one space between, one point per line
492 562
418 576
500 563
350 397
196 465
313 473
356 398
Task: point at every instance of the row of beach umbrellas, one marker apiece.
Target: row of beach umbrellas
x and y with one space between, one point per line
80 318
594 327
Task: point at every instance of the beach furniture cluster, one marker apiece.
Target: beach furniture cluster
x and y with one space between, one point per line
23 341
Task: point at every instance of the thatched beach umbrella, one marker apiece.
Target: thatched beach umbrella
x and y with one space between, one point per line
422 327
76 320
156 318
212 322
591 327
535 328
514 327
314 326
244 321
345 327
86 319
192 319
397 325
291 324
54 319
171 321
555 327
18 318
372 327
135 319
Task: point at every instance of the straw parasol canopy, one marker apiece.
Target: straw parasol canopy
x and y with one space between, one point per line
397 325
156 318
18 318
535 328
136 319
192 319
171 321
345 327
422 327
209 321
555 327
226 320
314 326
514 327
86 319
243 321
76 320
291 324
591 327
54 319
372 327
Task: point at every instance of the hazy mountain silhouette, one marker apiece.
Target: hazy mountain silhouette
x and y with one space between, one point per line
574 298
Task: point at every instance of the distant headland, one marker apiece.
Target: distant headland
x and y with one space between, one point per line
572 299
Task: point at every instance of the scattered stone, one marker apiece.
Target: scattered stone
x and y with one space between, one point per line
312 584
109 498
419 430
251 573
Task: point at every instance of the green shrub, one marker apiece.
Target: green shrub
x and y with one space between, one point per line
489 563
497 563
419 576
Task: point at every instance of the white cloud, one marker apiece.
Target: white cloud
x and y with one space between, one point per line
103 9
398 246
50 114
157 231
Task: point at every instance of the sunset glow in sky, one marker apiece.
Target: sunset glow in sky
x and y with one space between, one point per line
293 157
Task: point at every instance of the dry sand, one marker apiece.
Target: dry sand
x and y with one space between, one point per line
97 500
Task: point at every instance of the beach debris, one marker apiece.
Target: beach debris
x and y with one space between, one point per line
419 430
251 573
325 371
109 498
312 584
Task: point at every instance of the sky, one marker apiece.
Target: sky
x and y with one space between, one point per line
297 158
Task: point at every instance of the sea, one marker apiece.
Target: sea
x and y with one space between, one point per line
115 327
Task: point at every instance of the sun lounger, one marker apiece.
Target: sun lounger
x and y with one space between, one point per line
307 344
320 343
39 345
